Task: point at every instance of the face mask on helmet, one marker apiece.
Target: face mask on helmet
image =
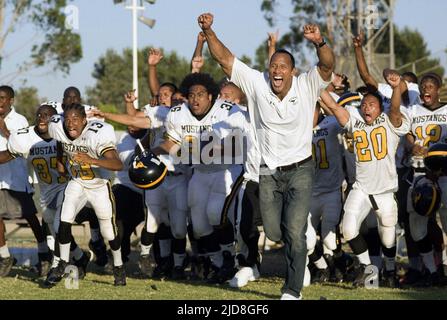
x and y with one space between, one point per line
436 159
147 171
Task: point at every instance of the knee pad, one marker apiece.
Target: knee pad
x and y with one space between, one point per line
388 236
311 237
350 228
388 220
215 208
108 231
330 241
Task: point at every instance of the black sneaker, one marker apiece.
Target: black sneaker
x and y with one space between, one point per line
120 276
336 275
321 276
163 269
6 265
178 273
56 274
82 264
411 277
360 276
100 251
44 264
144 262
390 280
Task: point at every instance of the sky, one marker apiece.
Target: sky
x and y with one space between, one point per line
239 24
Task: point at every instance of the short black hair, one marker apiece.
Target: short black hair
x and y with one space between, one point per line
292 59
411 75
170 85
72 89
362 90
377 96
203 79
76 107
9 91
49 106
432 76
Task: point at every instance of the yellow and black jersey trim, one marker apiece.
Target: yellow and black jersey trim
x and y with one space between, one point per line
173 139
106 149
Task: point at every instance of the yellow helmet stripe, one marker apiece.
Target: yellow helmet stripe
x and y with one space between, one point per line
353 98
436 153
146 186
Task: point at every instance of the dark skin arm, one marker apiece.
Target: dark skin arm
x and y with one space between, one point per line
3 129
109 161
154 58
220 53
5 156
197 58
393 79
362 67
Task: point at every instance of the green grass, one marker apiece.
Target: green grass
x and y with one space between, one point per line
22 284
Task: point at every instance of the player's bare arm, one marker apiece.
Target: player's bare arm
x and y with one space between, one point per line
5 156
271 43
3 129
139 122
129 99
109 161
325 54
362 67
218 50
197 60
167 147
340 113
393 79
153 59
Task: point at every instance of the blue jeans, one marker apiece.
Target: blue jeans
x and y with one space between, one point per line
285 204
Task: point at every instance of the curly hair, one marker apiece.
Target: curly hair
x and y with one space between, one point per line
203 79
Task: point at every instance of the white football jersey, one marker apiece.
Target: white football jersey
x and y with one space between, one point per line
428 127
328 155
42 156
206 144
96 139
157 132
375 148
126 148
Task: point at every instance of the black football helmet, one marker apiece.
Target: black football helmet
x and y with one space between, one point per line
146 170
426 196
436 158
353 99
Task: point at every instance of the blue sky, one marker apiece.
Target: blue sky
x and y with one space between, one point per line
239 23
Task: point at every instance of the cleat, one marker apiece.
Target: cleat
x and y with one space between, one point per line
321 276
411 277
163 269
6 265
144 262
100 251
243 276
82 264
120 276
360 276
336 276
56 274
390 280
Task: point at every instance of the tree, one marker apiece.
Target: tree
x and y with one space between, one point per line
60 48
26 102
410 47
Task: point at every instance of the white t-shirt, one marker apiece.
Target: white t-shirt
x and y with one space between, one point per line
428 127
14 174
96 139
375 148
328 155
203 141
283 128
42 156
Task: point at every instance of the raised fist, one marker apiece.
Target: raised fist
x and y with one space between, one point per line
205 21
273 38
130 97
392 77
312 33
357 41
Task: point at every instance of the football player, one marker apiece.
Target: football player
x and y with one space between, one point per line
91 151
15 191
376 136
428 126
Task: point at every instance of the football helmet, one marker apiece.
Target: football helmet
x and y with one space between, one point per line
146 170
426 196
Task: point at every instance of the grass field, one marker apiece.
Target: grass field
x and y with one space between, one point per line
23 284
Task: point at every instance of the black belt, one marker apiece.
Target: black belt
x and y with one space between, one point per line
291 166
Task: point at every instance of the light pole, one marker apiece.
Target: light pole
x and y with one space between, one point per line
150 23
